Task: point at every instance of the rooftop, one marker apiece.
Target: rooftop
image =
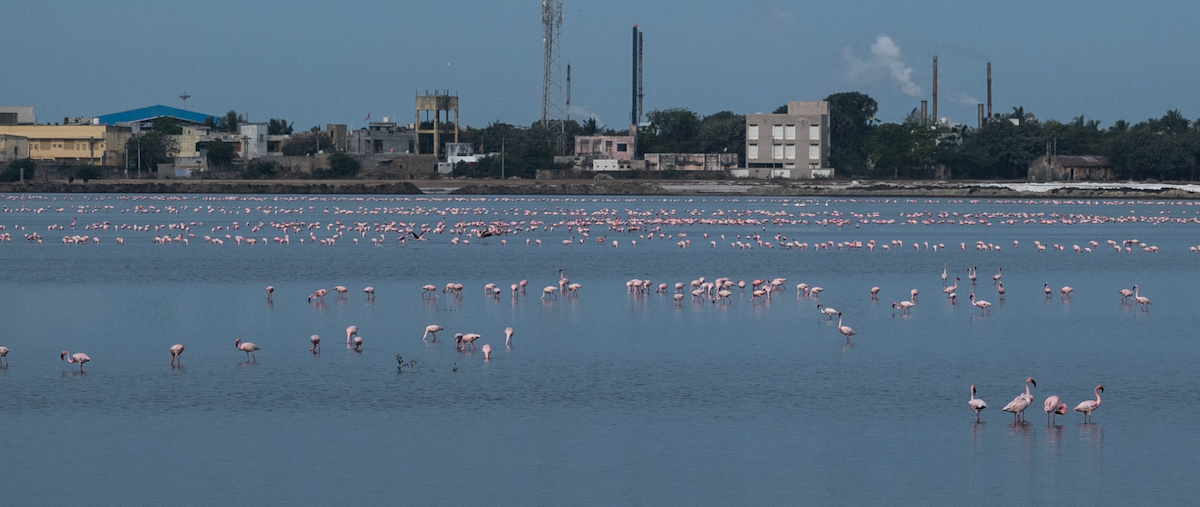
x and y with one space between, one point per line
152 112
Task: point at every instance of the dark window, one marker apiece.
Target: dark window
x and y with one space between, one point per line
378 146
622 147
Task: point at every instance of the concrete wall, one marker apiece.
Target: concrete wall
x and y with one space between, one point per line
75 144
606 147
691 161
13 148
398 167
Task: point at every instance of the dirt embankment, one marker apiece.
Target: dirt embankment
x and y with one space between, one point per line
214 187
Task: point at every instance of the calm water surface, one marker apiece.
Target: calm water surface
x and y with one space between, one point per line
605 399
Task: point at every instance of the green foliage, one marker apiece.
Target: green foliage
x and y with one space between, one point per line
342 165
260 169
86 172
166 125
307 143
683 131
279 127
780 110
211 123
154 146
12 172
229 122
851 120
220 153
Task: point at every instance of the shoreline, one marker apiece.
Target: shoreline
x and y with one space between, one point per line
727 188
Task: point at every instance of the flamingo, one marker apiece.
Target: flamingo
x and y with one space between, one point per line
1141 300
976 404
176 350
357 343
827 311
1087 407
1018 405
981 304
1000 289
1125 294
508 334
913 296
996 277
370 292
78 357
429 289
432 329
904 306
1046 289
4 356
1065 292
846 330
463 340
944 275
549 290
1054 408
971 274
350 331
246 347
815 292
487 349
316 344
874 292
270 289
342 291
952 288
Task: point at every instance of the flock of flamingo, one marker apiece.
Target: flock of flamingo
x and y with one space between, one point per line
1053 406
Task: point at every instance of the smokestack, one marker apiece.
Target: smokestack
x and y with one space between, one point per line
641 68
633 112
935 115
568 92
980 116
989 97
924 111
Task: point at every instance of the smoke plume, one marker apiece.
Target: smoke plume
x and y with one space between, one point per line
885 64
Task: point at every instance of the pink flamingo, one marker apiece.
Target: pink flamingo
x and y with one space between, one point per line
827 311
846 330
1000 289
972 274
1087 407
487 349
270 289
508 334
981 304
316 344
1141 300
996 277
370 293
1125 294
1065 292
874 292
357 345
1054 408
350 331
429 289
550 290
432 329
948 290
78 357
462 341
1046 289
1018 405
913 296
176 351
904 306
4 356
248 348
342 291
976 404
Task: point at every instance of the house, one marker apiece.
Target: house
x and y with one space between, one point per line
381 137
794 144
1070 168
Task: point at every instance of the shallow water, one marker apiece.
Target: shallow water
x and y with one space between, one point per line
608 398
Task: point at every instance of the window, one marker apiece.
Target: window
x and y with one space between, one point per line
814 166
622 147
789 132
608 146
814 151
752 133
777 152
752 151
777 132
814 132
789 152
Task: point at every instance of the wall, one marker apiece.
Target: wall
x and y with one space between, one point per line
75 144
13 148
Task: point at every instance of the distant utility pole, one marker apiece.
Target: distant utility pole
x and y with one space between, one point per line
552 92
185 96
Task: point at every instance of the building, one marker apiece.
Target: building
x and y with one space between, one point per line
13 148
437 103
1070 168
381 137
254 141
606 147
23 115
73 144
140 119
691 161
790 145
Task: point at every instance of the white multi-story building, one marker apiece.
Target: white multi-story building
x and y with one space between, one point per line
790 145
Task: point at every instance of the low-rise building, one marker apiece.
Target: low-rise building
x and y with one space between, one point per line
1070 168
21 115
13 148
606 147
798 139
381 137
691 161
73 144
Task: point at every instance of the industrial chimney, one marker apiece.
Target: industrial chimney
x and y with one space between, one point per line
935 113
989 97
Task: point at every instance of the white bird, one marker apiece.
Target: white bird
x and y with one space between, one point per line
846 330
508 334
78 357
248 348
370 292
176 350
1018 405
904 306
976 404
1054 407
432 329
316 344
350 331
827 311
3 356
1087 407
981 304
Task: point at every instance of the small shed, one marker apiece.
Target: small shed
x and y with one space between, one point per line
1070 168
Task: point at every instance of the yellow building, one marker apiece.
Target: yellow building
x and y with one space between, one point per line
74 144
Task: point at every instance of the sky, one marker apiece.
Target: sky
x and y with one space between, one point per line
323 62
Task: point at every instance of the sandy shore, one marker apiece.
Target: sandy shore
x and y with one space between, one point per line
957 189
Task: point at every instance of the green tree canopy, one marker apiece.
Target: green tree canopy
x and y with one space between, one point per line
307 143
851 119
167 125
231 120
152 147
279 127
220 153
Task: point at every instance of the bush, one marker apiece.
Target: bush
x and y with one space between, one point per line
86 172
342 165
13 171
260 170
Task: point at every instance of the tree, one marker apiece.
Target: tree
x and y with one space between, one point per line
154 148
342 165
723 132
12 172
220 153
851 119
279 127
780 110
229 122
260 169
307 143
167 125
670 131
210 122
590 127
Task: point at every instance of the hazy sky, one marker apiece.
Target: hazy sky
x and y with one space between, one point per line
334 62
